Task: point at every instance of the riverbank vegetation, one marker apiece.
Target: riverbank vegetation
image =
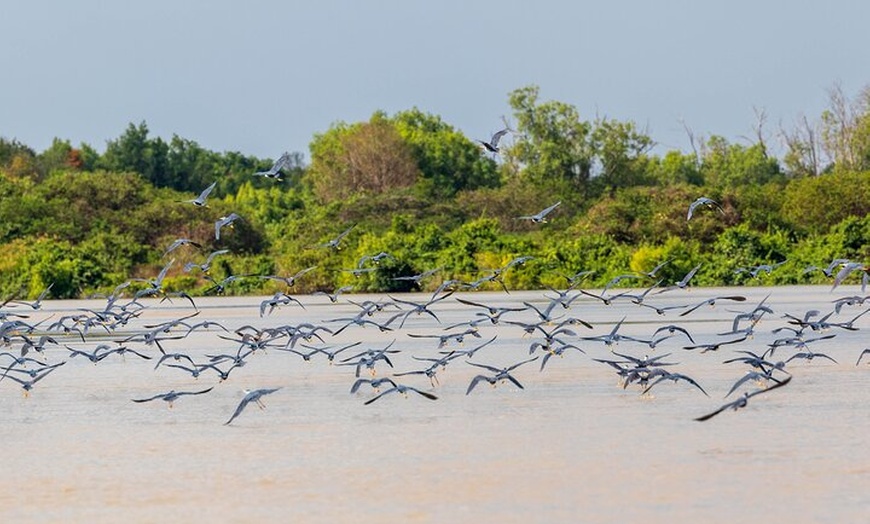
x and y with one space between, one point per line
417 188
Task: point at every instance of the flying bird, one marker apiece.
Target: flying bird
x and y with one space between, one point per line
492 145
703 201
742 401
223 222
284 162
251 396
200 200
171 396
400 388
541 216
335 242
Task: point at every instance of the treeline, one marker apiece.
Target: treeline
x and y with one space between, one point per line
415 187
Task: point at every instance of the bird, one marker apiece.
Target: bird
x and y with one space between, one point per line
335 243
500 374
171 396
375 383
274 172
200 200
675 377
27 385
181 242
38 303
742 401
682 284
703 201
492 144
375 259
291 280
865 352
420 276
847 269
205 266
712 302
403 389
251 396
223 222
541 216
333 297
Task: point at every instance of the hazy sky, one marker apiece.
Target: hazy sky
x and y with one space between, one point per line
262 77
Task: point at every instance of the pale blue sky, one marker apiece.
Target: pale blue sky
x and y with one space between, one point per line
262 77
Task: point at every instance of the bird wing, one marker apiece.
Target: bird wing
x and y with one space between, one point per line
497 136
241 407
426 394
386 392
720 410
149 399
771 388
547 211
475 380
205 192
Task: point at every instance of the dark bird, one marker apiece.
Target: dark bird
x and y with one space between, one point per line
27 385
675 377
172 396
499 374
684 283
333 297
712 302
251 396
400 388
375 383
37 304
205 266
335 243
742 401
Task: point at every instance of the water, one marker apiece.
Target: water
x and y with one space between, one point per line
572 446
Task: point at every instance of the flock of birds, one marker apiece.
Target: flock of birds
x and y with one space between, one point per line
551 326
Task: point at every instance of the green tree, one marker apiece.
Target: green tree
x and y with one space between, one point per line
552 142
447 159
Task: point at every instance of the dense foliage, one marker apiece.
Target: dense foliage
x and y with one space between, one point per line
413 186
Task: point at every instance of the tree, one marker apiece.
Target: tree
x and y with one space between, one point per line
621 152
726 165
365 157
846 129
552 142
804 155
446 158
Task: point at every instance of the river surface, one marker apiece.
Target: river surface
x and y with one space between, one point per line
572 446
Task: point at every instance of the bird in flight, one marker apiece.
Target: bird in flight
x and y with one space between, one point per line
335 242
284 162
223 222
171 396
200 200
492 145
251 396
703 201
742 401
401 388
540 217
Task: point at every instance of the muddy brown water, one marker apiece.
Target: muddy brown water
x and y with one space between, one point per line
573 446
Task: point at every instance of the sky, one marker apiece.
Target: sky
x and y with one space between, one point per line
262 77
